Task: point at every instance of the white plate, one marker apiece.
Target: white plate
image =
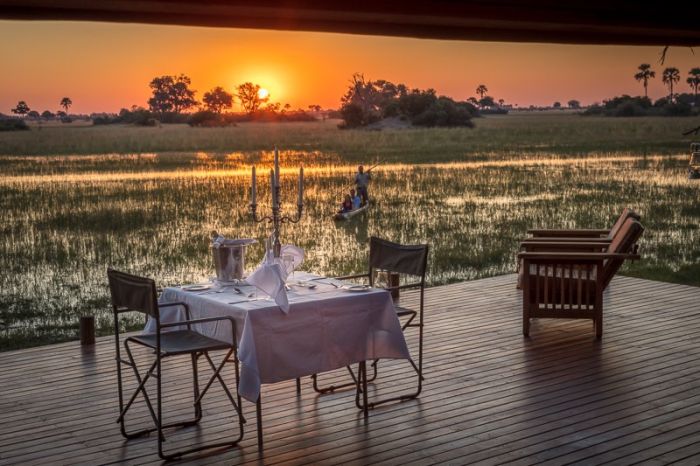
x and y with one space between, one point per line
196 287
357 288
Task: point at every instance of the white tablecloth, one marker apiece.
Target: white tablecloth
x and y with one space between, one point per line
327 328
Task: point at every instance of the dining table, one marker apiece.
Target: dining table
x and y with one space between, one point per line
330 324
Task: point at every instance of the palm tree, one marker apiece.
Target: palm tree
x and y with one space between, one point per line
694 81
66 103
670 77
481 90
645 74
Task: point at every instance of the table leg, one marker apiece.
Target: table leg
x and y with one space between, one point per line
363 372
258 411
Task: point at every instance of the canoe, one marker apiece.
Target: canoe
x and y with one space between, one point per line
351 214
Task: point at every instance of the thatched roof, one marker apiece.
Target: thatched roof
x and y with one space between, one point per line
558 21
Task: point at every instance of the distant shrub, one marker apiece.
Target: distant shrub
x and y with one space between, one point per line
209 119
626 106
13 124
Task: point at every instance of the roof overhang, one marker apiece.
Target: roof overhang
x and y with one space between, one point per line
553 21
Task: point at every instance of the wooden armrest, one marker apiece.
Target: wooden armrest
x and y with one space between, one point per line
574 256
566 239
582 233
572 246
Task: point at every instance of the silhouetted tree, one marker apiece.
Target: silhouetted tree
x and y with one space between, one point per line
669 77
557 105
66 103
249 95
481 90
487 101
575 104
33 114
47 115
171 94
694 81
217 99
501 102
21 109
644 75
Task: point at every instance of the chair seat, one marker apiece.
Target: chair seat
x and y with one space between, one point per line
181 341
403 311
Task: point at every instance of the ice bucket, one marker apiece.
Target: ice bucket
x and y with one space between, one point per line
229 258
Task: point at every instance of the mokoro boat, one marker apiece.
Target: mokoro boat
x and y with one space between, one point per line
351 214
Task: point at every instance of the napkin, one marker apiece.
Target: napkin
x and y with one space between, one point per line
297 255
269 278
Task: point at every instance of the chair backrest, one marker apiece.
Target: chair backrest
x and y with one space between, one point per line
133 293
398 258
624 242
626 213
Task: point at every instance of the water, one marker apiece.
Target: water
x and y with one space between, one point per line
64 220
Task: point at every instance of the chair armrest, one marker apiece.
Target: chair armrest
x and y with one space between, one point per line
567 239
572 246
174 303
582 233
576 256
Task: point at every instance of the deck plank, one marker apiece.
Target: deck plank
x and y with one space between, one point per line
491 396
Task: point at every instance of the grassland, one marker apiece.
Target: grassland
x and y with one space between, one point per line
74 200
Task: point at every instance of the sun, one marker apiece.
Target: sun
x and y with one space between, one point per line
263 93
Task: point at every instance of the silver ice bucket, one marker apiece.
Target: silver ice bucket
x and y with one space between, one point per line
229 258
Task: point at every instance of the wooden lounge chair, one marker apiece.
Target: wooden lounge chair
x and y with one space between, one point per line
567 280
596 235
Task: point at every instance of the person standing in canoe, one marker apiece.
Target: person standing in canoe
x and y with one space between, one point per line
361 181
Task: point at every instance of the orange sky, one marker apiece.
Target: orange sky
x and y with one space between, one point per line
103 67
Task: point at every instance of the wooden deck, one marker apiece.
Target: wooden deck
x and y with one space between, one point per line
491 396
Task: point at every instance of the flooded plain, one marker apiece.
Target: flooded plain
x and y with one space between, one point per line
65 219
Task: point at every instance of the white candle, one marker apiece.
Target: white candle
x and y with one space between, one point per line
253 188
301 186
272 186
277 167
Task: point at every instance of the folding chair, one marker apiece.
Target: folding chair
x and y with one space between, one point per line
410 262
132 293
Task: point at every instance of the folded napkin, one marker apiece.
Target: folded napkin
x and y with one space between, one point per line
295 253
269 278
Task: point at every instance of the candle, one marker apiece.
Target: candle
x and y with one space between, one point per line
272 186
301 186
277 167
253 188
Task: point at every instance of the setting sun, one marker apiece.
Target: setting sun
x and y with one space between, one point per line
263 93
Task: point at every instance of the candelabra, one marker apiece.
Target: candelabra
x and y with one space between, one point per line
276 218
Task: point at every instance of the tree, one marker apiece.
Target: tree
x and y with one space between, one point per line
21 109
669 77
171 94
501 102
249 95
487 102
217 99
557 105
481 90
644 75
575 104
34 114
66 103
47 115
694 82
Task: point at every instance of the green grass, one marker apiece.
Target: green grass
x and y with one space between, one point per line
494 136
65 218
